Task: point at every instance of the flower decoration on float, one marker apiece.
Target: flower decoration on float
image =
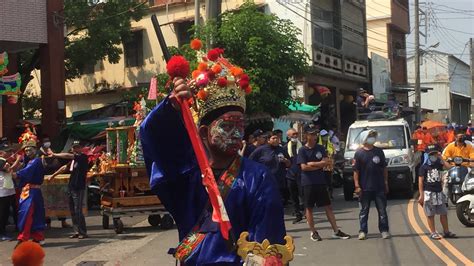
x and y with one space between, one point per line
215 83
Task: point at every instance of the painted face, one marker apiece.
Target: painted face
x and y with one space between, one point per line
30 152
225 133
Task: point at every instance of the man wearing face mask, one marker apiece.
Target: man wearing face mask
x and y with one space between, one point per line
371 183
459 148
293 173
432 198
247 188
272 155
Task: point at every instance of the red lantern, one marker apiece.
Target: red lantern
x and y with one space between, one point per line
12 99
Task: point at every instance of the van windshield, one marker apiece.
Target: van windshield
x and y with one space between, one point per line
389 137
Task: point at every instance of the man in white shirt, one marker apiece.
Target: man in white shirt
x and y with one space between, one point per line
7 196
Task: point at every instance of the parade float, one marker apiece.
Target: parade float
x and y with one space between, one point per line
123 178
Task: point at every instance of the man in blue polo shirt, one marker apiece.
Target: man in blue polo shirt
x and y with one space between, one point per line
371 183
312 158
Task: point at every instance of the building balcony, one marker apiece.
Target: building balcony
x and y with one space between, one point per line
400 15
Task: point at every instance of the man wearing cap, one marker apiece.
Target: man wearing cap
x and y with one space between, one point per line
293 173
363 101
312 159
78 168
371 183
259 139
247 188
430 186
272 155
31 213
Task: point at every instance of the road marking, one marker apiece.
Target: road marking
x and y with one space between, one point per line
444 242
424 238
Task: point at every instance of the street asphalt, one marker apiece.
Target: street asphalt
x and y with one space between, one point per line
142 244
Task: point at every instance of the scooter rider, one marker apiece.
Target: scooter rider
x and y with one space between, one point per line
459 148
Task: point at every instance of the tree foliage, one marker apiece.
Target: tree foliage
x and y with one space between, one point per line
267 47
94 32
97 30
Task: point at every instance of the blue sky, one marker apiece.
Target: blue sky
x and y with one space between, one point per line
451 24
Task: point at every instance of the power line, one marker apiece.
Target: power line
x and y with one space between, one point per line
353 23
455 66
455 9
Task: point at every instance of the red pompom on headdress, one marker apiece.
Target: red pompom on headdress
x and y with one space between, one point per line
214 53
178 66
196 44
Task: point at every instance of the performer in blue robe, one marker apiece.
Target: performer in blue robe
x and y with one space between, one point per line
249 191
31 214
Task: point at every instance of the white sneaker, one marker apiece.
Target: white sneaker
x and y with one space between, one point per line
362 236
386 235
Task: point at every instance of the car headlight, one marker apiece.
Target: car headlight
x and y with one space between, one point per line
403 159
458 179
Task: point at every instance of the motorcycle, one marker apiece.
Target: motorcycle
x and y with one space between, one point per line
338 175
456 177
465 205
93 194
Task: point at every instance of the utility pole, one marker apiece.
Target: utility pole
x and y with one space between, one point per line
471 44
417 64
196 13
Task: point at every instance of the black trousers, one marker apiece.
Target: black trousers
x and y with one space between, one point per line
294 190
5 204
76 198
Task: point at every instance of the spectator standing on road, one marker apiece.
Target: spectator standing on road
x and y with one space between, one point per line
7 197
78 167
272 155
259 140
432 198
312 158
279 133
371 183
330 151
293 173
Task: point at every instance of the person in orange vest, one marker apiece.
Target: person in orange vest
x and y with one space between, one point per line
427 138
450 135
418 136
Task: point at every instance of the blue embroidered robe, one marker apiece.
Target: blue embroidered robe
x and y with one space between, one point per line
33 173
253 202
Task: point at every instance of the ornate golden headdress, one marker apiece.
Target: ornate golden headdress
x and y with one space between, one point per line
265 253
216 82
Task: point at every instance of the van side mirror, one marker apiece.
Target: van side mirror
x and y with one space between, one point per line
413 142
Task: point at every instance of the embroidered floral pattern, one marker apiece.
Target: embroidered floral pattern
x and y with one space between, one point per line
194 238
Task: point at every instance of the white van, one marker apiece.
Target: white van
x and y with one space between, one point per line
394 137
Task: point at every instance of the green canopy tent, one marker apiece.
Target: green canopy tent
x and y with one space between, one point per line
302 113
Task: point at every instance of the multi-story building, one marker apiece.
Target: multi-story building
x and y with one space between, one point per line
449 77
387 26
105 83
31 24
334 36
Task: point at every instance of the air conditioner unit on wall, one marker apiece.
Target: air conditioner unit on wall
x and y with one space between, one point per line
348 67
336 63
318 58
